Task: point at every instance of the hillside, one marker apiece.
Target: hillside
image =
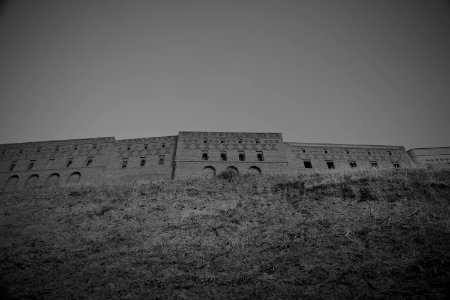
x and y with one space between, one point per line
377 234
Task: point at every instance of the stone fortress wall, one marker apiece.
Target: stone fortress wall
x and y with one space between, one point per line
107 160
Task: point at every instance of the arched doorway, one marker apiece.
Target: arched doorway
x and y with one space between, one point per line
253 170
74 178
209 171
32 181
11 184
52 180
232 169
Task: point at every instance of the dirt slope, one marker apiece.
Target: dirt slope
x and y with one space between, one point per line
382 234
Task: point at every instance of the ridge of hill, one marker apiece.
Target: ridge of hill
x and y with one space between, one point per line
366 234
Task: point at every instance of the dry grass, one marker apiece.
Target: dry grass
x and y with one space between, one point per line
364 234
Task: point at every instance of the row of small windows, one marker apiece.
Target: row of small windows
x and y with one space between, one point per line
348 152
143 161
50 163
330 164
57 148
257 141
241 155
88 163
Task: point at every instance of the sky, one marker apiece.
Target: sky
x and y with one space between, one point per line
357 72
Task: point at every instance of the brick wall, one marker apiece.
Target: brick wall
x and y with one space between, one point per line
343 156
223 150
96 160
438 157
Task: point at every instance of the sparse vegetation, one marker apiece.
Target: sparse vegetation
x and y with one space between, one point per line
367 234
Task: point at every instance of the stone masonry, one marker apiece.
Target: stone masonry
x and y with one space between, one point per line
107 160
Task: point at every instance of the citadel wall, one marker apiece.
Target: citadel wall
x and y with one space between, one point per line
99 160
438 157
244 152
305 156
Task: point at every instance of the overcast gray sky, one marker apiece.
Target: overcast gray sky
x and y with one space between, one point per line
374 72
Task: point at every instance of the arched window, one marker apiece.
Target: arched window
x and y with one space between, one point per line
254 170
32 181
11 184
205 156
74 178
223 156
52 180
209 171
143 161
233 169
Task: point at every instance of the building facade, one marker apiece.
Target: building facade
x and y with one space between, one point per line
107 160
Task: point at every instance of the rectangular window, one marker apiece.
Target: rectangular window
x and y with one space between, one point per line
330 165
13 165
223 156
396 165
259 156
241 156
161 160
89 162
374 164
143 160
69 162
124 162
31 164
352 164
307 164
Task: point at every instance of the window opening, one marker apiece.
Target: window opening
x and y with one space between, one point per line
330 165
396 165
13 165
143 161
205 156
161 160
352 164
88 162
223 156
259 156
31 164
241 156
307 164
374 164
124 163
69 163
